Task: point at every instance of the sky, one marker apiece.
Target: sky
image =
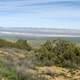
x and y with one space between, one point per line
40 13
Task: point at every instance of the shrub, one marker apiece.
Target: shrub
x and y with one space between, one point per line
58 52
9 73
20 44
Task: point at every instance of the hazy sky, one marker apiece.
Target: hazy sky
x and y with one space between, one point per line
40 13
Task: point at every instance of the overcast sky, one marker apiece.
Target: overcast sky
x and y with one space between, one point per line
40 13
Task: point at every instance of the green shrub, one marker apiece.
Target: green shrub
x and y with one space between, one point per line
20 44
58 52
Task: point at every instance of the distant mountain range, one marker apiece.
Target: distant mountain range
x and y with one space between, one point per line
39 32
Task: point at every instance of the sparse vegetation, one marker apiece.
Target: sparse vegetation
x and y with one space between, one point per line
20 61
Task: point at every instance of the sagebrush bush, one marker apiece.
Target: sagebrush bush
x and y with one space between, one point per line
58 52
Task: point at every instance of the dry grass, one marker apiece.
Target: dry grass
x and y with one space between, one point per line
49 72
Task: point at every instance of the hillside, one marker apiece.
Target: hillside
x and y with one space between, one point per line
16 59
20 63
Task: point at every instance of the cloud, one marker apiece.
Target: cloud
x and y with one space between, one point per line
41 8
55 3
39 12
22 5
10 0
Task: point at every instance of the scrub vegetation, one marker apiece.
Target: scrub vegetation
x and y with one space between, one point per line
53 60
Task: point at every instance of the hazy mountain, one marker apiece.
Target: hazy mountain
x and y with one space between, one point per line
38 32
